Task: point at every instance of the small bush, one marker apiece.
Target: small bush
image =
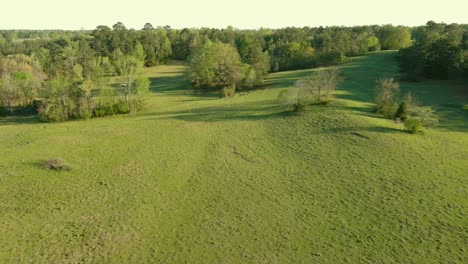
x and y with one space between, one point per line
387 92
403 111
109 109
426 115
414 126
56 164
228 91
50 113
120 108
299 108
103 110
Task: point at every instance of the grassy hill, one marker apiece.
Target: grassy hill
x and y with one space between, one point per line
198 179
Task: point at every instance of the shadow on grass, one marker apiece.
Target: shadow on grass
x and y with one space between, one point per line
18 120
245 112
177 85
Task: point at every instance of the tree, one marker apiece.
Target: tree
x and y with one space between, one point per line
216 65
129 68
251 53
373 44
394 38
322 84
21 78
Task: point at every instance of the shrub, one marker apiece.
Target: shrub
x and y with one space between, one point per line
295 99
426 115
56 164
403 111
414 126
50 113
421 117
387 92
299 108
120 108
228 91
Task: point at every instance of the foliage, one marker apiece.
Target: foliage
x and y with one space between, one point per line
414 126
216 65
295 99
439 52
387 96
406 106
321 86
373 44
394 38
21 79
426 115
228 91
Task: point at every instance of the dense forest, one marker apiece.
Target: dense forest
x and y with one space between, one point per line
64 75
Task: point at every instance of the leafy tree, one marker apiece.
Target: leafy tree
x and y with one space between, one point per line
130 71
438 52
373 44
21 78
251 52
322 85
394 38
216 65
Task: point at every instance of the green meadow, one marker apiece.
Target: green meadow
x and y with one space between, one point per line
199 179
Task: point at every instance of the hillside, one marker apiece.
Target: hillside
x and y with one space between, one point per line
197 179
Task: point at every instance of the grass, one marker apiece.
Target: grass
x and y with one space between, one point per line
198 179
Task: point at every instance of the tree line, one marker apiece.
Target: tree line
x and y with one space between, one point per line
440 51
71 81
68 72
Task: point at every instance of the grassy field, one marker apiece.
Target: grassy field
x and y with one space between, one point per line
198 179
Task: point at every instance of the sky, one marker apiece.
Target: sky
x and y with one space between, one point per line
243 14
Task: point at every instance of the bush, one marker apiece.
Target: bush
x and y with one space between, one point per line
414 126
56 164
108 109
426 115
295 100
299 108
403 111
120 108
228 91
421 117
50 113
387 92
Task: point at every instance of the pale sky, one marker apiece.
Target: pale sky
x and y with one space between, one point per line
87 14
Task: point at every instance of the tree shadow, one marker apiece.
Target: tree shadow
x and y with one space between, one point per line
18 120
245 112
360 131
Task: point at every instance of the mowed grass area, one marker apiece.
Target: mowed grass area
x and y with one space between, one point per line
198 179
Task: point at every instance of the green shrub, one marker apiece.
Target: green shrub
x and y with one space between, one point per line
403 111
120 108
103 110
228 91
426 115
299 108
50 113
414 126
387 92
